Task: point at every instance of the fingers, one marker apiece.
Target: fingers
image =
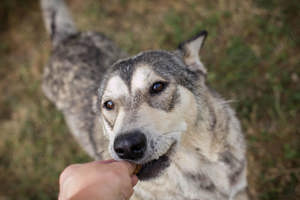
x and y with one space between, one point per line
125 166
110 175
67 172
131 167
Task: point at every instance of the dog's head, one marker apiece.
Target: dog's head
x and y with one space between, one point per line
148 102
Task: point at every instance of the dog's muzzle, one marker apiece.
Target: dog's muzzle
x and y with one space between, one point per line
132 146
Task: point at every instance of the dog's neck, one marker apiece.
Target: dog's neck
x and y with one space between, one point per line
201 141
188 163
197 162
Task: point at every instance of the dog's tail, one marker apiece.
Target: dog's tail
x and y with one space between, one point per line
58 20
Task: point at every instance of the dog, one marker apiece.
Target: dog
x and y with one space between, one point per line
154 109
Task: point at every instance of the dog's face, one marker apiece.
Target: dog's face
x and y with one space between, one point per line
147 103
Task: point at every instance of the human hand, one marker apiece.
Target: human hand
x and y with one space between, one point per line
101 180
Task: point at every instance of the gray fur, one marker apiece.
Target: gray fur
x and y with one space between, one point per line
75 80
204 182
236 166
166 104
58 21
71 80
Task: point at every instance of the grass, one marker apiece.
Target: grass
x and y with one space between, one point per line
252 54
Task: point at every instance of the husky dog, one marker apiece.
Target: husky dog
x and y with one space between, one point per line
153 109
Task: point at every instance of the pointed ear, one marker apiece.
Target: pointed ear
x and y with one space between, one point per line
190 50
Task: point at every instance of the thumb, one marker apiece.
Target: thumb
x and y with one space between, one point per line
130 166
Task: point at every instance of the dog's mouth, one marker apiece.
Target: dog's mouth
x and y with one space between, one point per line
155 167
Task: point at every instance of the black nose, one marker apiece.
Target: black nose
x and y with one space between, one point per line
130 146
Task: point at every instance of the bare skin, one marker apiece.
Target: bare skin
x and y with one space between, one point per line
101 180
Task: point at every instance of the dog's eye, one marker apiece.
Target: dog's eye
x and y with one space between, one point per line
109 105
157 87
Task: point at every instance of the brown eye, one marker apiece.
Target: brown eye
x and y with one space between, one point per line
157 87
109 105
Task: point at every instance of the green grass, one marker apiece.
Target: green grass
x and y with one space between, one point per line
252 54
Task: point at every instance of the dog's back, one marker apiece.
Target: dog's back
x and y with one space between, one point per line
74 72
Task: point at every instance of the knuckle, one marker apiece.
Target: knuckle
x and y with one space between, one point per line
70 169
67 172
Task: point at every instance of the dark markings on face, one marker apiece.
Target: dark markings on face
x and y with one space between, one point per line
202 181
125 70
164 102
163 63
138 98
174 100
111 125
236 166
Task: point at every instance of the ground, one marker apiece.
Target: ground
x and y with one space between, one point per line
252 54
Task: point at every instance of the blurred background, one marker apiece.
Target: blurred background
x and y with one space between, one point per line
252 54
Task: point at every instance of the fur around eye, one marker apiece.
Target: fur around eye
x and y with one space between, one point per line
158 87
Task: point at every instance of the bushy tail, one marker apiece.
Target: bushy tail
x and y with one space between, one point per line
58 20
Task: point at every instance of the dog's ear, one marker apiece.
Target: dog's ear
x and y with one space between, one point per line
190 50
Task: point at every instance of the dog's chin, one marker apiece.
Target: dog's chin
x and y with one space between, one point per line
155 168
